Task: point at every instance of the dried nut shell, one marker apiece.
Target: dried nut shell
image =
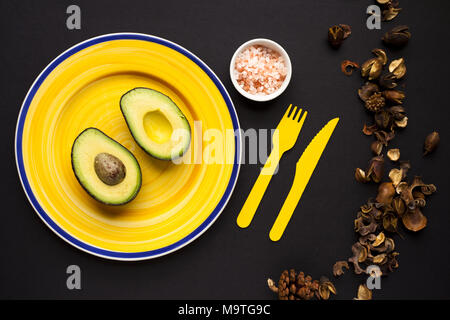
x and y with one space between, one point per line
367 90
364 293
394 96
396 176
380 259
398 36
398 68
335 36
387 80
431 142
402 123
399 206
347 67
372 68
376 169
347 30
393 154
360 175
379 240
414 220
390 221
369 130
402 186
386 192
338 268
390 13
376 147
383 119
381 55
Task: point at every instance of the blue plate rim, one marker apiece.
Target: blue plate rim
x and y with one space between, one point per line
94 250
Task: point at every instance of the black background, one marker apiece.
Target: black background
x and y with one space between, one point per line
227 262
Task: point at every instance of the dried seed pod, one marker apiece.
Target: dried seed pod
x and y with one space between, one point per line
428 189
367 238
383 119
338 268
393 154
396 176
401 187
335 36
387 80
398 112
367 90
384 137
376 169
369 130
414 220
346 64
402 123
325 287
372 68
347 30
386 192
360 175
398 36
431 142
379 239
381 55
356 249
390 221
364 293
390 13
376 147
398 68
375 103
399 206
394 96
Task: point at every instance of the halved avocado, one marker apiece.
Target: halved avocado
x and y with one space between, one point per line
156 123
104 168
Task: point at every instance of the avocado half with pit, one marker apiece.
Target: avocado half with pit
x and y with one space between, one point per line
156 123
104 168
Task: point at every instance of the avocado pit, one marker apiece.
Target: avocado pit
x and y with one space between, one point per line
109 169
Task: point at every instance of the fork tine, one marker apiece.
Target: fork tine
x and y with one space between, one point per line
303 118
294 110
297 117
287 111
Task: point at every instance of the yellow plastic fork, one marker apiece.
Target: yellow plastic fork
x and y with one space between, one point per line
283 139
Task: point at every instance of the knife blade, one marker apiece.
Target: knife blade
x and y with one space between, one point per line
304 170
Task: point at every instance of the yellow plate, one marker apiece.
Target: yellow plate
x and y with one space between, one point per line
81 88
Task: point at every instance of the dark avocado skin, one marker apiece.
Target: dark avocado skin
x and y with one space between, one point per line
129 129
87 191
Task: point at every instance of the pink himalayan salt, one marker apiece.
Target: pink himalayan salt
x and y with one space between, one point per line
260 70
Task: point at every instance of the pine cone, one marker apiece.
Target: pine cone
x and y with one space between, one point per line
293 286
375 102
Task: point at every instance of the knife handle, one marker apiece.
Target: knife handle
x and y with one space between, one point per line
254 198
287 210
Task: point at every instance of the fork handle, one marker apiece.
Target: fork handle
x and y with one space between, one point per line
254 198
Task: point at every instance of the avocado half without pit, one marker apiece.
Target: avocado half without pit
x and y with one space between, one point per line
156 123
105 169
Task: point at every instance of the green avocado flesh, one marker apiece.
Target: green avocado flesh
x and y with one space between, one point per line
104 168
156 123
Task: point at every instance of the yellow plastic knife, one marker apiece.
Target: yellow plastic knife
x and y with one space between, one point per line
304 170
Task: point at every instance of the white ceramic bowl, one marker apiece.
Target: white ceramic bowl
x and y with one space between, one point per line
271 45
